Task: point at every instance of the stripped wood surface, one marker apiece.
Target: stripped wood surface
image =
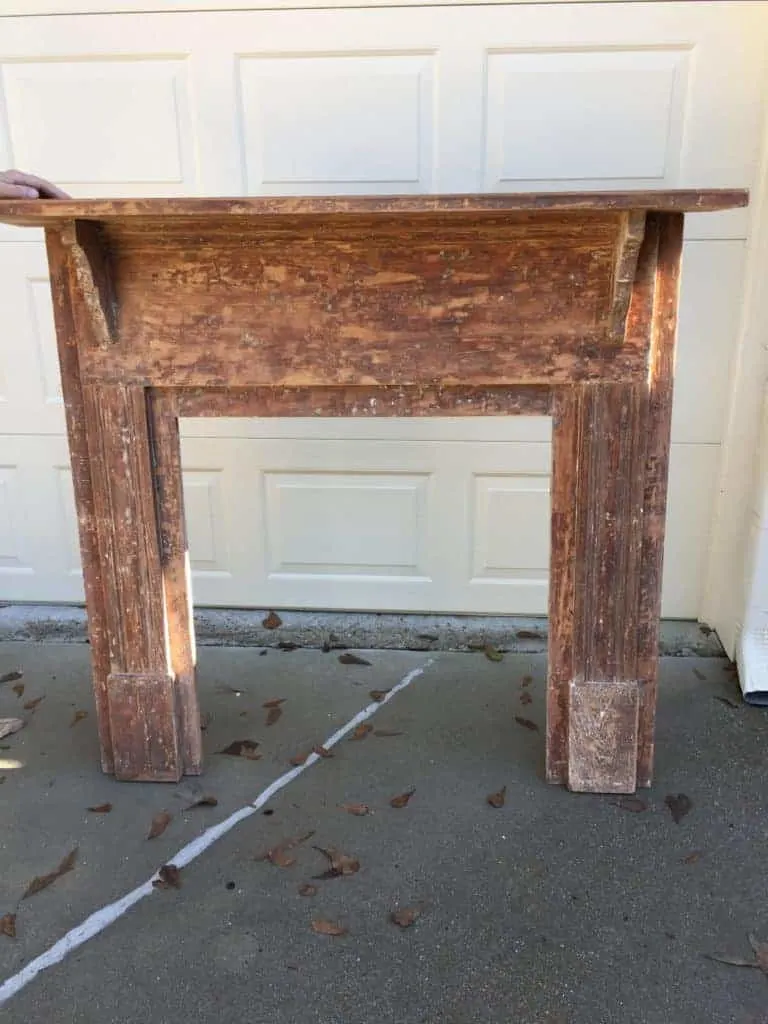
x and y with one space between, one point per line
682 200
561 304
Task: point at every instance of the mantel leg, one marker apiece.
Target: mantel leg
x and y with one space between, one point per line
141 692
610 465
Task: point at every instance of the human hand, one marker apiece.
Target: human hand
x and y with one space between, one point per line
20 185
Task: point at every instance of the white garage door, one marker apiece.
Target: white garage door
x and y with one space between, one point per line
443 515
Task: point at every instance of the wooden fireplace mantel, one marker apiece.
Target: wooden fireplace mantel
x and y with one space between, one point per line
559 304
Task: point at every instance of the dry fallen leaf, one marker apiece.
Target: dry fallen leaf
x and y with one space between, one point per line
8 925
322 751
242 748
387 732
692 857
280 855
632 803
379 695
525 697
32 704
11 677
526 723
526 681
160 823
361 731
272 621
41 882
497 799
101 809
328 928
760 961
273 715
78 717
18 689
274 703
492 653
299 759
352 659
340 864
407 915
402 799
8 726
679 805
357 809
169 877
307 889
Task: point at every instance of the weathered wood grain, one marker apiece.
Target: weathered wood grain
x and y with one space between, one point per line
177 587
64 295
92 264
660 387
598 493
143 716
522 300
359 402
682 200
604 722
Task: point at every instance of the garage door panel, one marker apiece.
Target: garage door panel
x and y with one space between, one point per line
305 123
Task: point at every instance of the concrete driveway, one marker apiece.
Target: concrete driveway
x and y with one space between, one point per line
552 908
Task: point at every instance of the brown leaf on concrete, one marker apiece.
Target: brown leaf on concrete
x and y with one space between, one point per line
30 705
280 855
361 731
679 805
402 799
11 677
497 799
160 823
170 877
78 717
101 809
8 925
340 864
760 959
307 889
407 915
357 809
492 653
273 715
299 759
322 927
242 748
272 621
18 689
274 703
526 723
41 882
8 726
322 751
692 857
379 695
525 697
347 658
635 804
526 681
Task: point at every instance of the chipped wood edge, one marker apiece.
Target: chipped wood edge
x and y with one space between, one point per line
78 238
629 242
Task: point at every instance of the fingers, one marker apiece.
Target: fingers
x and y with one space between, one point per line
31 185
9 191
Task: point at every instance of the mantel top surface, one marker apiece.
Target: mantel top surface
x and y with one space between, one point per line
32 212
